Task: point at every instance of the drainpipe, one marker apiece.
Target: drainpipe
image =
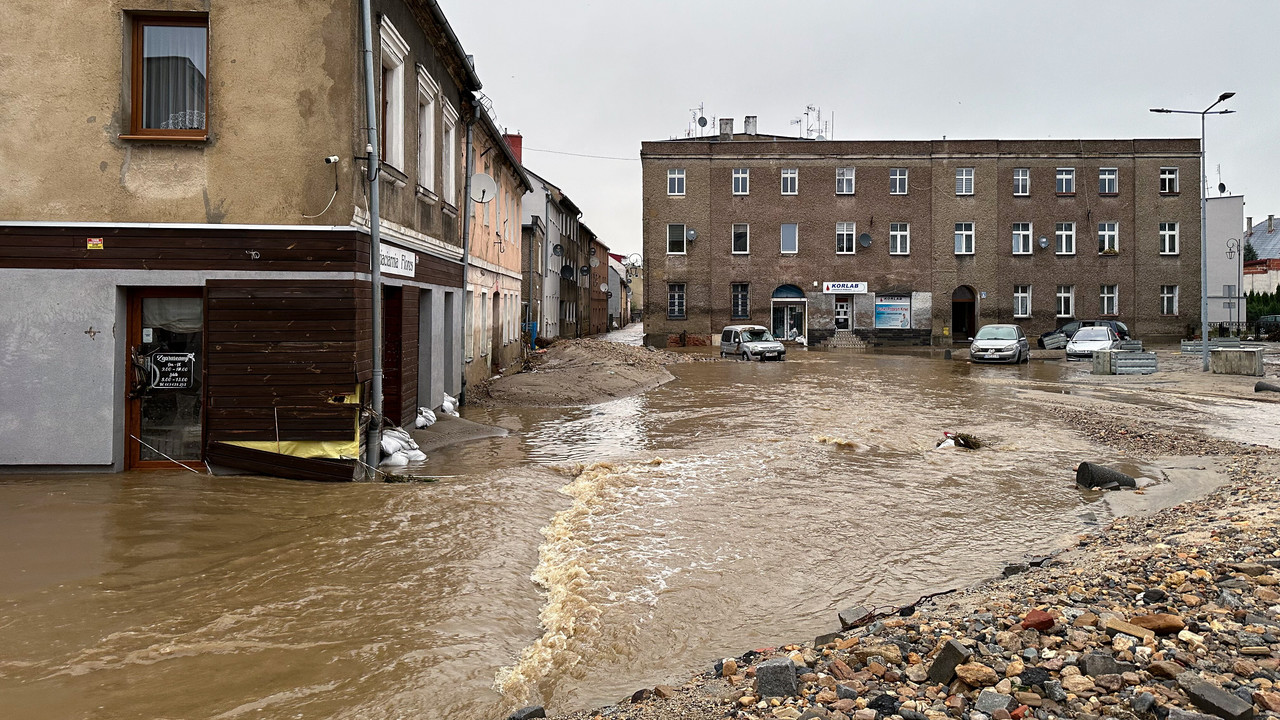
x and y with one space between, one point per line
373 441
466 248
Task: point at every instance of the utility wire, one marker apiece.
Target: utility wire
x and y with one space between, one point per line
597 157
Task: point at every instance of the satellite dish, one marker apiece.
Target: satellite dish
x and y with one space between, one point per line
1222 188
593 250
557 250
1044 242
566 272
604 287
595 262
584 270
634 259
820 137
483 188
691 234
702 121
864 240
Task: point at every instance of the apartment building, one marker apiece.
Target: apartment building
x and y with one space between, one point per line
916 242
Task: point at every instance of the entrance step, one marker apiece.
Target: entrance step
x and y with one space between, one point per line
846 339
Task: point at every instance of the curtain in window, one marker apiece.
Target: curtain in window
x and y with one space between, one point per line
173 77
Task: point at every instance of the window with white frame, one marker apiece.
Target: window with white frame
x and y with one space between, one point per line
1168 299
394 53
964 238
844 181
739 308
1066 181
1108 297
790 181
845 232
1108 238
1064 238
964 181
1021 301
742 181
899 238
897 181
427 92
741 239
790 242
1021 182
449 153
1168 181
675 239
1066 301
1168 238
675 301
1108 181
675 181
1022 238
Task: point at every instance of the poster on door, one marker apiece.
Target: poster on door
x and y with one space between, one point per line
893 311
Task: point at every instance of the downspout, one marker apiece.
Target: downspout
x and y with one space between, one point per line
466 250
373 441
546 253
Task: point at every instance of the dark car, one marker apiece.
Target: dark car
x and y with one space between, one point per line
1068 330
1268 325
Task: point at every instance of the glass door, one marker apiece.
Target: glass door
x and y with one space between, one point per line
842 313
164 400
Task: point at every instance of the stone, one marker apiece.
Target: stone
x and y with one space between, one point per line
826 697
865 714
977 675
1085 620
1033 676
528 713
1110 683
1115 626
729 667
1266 595
786 713
1054 691
989 701
1268 701
1250 569
1096 664
1028 698
854 616
844 692
1180 714
840 670
641 695
1038 620
885 704
1004 686
1213 699
844 705
891 653
1142 703
917 673
818 713
826 639
663 691
1077 683
1159 623
1165 669
944 665
776 678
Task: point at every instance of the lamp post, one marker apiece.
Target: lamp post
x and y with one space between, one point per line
1204 248
1235 246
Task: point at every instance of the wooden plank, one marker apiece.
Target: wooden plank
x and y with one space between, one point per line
257 461
339 327
228 380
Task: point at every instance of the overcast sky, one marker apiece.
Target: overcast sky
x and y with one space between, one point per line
599 77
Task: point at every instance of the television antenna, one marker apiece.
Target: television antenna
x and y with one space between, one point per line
697 121
813 127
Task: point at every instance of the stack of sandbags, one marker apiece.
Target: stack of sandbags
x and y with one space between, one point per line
426 418
399 448
449 406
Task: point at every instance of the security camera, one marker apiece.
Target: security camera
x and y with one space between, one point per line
331 160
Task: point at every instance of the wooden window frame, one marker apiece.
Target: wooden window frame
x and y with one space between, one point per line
139 23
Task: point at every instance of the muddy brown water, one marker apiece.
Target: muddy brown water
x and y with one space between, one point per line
738 507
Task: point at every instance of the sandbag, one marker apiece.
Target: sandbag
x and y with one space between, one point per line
1089 475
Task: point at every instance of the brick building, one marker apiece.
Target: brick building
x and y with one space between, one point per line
917 242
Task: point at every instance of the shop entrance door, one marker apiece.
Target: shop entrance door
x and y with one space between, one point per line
164 402
964 320
842 312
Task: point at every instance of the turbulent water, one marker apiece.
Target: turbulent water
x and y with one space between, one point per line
592 552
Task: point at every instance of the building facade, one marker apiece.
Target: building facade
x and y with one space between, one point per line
598 261
1224 250
916 242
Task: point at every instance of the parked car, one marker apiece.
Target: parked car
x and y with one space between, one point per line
1268 325
1069 330
750 342
1000 343
1087 340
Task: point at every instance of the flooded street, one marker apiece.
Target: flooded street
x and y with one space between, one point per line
739 506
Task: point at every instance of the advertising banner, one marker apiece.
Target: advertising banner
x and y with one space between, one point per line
844 288
893 311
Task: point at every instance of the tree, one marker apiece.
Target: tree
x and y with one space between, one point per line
1249 253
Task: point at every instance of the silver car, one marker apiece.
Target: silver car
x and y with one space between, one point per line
1000 344
1088 339
750 342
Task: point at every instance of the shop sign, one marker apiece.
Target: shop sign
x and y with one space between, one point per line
172 371
844 288
893 311
397 261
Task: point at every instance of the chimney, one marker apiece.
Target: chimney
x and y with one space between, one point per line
1248 226
726 128
515 141
749 125
1271 223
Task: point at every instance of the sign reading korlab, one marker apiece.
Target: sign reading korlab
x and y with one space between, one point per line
844 288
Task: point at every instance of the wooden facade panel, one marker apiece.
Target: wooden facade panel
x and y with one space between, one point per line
392 353
409 357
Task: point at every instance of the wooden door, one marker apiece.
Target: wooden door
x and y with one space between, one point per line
164 398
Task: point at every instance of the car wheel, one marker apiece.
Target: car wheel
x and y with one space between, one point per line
746 356
721 353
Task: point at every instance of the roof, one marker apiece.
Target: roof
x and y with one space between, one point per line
500 141
558 196
1266 244
464 61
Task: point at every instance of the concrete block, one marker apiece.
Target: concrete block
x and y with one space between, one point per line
1236 361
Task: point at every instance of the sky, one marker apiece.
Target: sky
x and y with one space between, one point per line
599 77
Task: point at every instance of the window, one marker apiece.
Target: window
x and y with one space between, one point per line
1066 301
845 235
1108 296
1168 238
1168 181
738 306
675 239
1064 238
449 153
1021 301
1022 238
899 238
394 53
964 181
964 238
675 301
790 181
169 81
1066 181
675 182
742 181
1021 182
1108 181
1108 238
790 238
1168 299
897 181
844 181
427 92
741 238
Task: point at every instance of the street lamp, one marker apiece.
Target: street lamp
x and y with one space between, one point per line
1204 248
1235 246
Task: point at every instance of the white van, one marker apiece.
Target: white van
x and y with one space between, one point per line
750 342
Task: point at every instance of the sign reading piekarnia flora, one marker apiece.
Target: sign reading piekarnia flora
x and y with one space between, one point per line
844 288
396 261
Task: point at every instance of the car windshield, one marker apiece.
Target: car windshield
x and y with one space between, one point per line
1093 333
756 336
997 332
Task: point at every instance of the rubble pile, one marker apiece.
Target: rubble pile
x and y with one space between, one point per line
636 355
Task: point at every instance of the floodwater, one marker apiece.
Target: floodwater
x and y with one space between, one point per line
591 552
